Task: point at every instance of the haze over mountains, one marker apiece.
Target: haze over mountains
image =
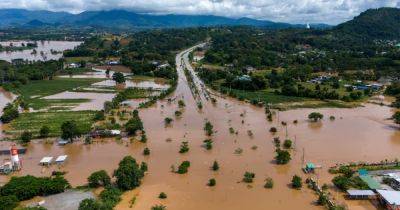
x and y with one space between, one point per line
126 20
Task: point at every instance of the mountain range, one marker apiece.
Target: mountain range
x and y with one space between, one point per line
123 19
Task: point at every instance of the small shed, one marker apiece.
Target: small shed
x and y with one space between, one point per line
360 194
61 159
46 160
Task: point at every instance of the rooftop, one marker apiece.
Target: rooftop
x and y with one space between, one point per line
392 197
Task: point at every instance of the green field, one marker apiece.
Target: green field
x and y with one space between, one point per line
35 120
33 92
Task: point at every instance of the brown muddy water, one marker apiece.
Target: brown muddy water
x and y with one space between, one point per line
43 46
359 134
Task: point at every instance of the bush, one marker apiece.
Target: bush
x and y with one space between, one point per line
208 128
183 167
89 204
212 182
181 104
146 151
110 196
269 183
10 112
273 130
26 137
184 147
248 177
162 195
128 174
99 178
297 182
158 207
44 131
27 187
133 125
215 166
287 144
168 121
8 202
208 144
315 116
282 157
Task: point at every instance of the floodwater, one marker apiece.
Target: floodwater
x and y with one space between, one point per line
359 134
43 50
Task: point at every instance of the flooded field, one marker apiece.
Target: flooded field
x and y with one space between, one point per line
359 134
43 50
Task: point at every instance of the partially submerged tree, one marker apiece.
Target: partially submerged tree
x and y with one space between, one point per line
70 130
282 157
99 178
315 116
118 77
128 175
297 182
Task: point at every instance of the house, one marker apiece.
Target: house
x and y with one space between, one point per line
162 66
360 194
390 199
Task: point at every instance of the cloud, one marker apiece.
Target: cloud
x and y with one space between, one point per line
293 11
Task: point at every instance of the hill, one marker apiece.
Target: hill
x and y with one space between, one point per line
126 20
382 23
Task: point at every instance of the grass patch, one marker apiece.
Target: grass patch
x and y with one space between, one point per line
35 120
267 96
77 59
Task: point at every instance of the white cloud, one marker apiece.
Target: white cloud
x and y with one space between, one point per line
293 11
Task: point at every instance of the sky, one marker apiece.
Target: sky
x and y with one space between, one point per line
291 11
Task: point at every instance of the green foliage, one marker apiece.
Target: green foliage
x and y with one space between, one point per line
134 124
162 195
273 130
269 183
211 182
208 144
184 147
70 130
315 116
118 77
297 182
8 202
26 137
282 157
158 207
287 144
27 187
146 151
215 166
396 117
248 177
168 121
110 196
44 131
89 204
10 112
99 178
128 175
181 104
208 128
183 167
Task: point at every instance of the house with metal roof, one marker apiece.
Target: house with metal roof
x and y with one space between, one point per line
390 199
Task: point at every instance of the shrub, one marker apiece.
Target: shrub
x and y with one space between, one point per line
297 182
44 131
184 147
99 178
89 204
162 195
10 112
315 116
208 144
269 183
208 128
158 207
215 166
146 151
181 103
183 167
133 125
8 202
178 113
110 196
168 121
273 130
248 177
287 144
282 157
26 137
212 182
